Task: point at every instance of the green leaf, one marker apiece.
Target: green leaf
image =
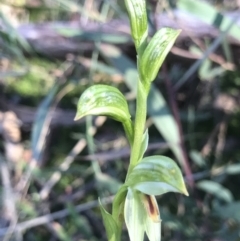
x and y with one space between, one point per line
157 106
138 20
118 203
156 175
215 189
197 158
109 223
105 100
144 144
233 169
209 14
42 120
155 54
134 214
165 122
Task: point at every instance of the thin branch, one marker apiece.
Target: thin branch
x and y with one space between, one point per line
20 227
56 176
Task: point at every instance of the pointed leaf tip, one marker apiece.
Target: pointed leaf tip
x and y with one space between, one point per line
156 175
185 192
156 52
109 223
77 117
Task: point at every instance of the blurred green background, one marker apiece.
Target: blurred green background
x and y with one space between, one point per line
53 170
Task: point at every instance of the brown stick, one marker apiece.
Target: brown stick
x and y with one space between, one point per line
54 38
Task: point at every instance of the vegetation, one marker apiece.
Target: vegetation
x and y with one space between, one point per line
54 169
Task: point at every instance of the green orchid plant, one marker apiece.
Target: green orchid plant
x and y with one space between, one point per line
135 202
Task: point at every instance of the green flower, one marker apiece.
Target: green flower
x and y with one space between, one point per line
142 215
152 176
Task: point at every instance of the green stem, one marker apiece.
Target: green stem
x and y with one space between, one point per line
128 128
140 119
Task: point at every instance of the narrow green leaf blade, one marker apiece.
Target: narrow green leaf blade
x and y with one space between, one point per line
103 100
197 158
233 169
207 13
118 203
42 122
165 122
134 214
156 175
109 223
155 53
215 189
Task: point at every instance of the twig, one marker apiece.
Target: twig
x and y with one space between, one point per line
206 149
122 153
27 115
41 126
56 176
8 200
78 194
53 216
214 57
174 108
212 48
221 139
